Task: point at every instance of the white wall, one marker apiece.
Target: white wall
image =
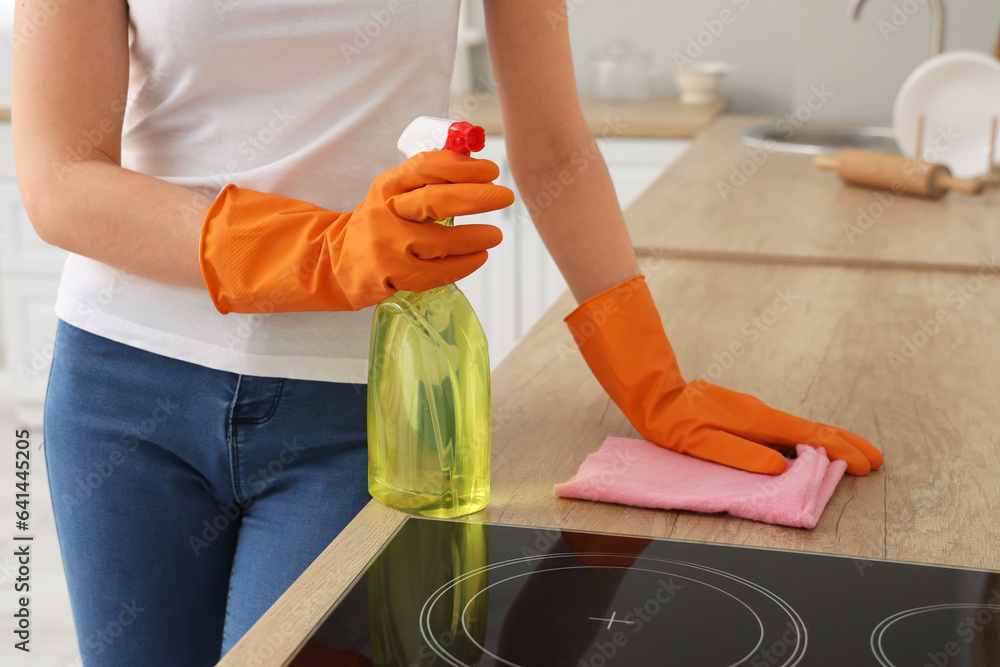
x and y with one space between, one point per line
6 49
757 36
865 63
784 47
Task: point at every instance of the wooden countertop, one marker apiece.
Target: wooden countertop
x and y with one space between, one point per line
659 117
786 210
826 358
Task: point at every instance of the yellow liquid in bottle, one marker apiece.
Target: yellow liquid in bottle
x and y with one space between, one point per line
429 405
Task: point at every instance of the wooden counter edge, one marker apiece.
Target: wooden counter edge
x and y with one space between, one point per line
278 635
664 252
656 118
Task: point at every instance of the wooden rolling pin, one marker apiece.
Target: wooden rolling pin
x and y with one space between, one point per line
896 173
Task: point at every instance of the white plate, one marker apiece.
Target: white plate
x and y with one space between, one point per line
958 93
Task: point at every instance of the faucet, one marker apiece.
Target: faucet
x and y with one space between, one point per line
937 21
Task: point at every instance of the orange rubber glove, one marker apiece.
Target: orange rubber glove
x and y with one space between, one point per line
265 253
622 339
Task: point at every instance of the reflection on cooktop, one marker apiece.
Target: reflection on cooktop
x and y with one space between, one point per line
468 594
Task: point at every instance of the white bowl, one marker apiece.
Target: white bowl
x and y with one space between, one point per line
958 94
699 83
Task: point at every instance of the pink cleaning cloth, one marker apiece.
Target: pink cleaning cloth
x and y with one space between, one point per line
639 473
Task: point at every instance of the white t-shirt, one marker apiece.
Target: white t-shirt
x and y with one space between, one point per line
300 98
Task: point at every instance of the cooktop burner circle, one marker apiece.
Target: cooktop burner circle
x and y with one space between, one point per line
757 622
762 625
942 630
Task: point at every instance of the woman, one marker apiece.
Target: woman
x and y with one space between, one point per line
208 158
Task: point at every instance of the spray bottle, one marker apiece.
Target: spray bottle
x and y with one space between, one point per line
429 380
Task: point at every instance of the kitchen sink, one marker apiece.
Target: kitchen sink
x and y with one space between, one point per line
819 138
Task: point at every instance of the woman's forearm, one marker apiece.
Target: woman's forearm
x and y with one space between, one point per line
128 220
568 192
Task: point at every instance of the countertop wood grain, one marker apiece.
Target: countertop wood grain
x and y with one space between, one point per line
722 199
931 409
658 117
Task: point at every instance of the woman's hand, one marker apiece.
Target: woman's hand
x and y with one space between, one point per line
621 338
266 253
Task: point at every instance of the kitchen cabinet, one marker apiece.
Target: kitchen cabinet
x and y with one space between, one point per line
29 278
520 281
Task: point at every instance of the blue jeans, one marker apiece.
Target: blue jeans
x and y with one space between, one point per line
188 499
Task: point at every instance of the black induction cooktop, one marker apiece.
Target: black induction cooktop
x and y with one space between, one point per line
457 593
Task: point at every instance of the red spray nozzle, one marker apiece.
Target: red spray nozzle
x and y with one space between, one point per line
429 134
465 138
